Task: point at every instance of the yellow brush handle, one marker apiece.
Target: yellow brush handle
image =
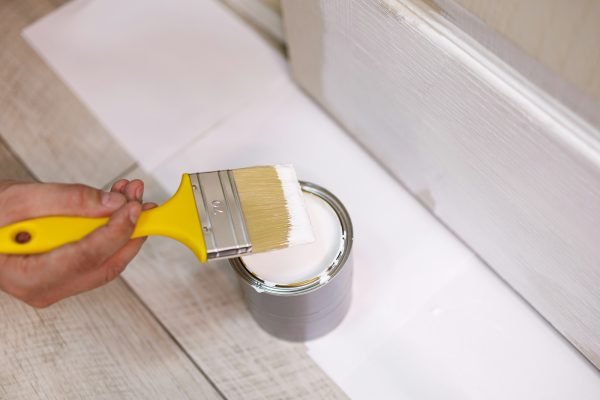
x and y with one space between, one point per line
177 218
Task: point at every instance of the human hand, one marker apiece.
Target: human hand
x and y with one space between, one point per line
43 279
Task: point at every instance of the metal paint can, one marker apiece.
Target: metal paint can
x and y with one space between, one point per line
304 310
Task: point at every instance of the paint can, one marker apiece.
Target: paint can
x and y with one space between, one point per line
309 307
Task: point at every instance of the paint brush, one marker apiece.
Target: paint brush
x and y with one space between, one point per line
217 214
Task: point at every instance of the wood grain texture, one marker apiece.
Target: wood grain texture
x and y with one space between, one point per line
10 166
102 344
562 34
203 310
40 117
509 45
514 174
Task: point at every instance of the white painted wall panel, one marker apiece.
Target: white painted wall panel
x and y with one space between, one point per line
562 34
511 171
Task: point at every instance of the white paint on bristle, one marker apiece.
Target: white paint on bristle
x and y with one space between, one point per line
304 262
300 231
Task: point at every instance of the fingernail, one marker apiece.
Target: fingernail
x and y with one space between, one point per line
149 206
112 200
139 193
134 212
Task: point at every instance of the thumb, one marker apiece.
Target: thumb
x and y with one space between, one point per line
30 200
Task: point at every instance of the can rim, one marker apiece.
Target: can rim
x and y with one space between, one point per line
328 273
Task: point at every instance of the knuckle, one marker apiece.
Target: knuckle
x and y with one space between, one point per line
120 184
80 195
118 229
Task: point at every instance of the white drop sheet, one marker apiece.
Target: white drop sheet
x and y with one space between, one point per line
156 73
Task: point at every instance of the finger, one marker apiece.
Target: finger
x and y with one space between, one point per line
149 206
42 294
111 268
107 271
70 269
134 191
43 279
106 240
24 201
119 185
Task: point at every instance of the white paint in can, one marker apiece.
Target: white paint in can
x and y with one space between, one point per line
303 262
301 294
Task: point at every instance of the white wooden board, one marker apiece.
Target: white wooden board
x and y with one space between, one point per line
514 173
561 34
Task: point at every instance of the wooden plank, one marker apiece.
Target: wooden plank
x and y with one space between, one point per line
10 166
40 117
202 308
507 167
102 344
561 60
562 34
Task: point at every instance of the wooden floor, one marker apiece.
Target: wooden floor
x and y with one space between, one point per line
168 328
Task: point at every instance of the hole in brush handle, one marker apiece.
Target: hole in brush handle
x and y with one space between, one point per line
23 237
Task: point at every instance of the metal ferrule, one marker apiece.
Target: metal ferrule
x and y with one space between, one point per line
220 210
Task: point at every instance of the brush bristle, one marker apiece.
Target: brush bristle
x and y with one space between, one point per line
273 207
